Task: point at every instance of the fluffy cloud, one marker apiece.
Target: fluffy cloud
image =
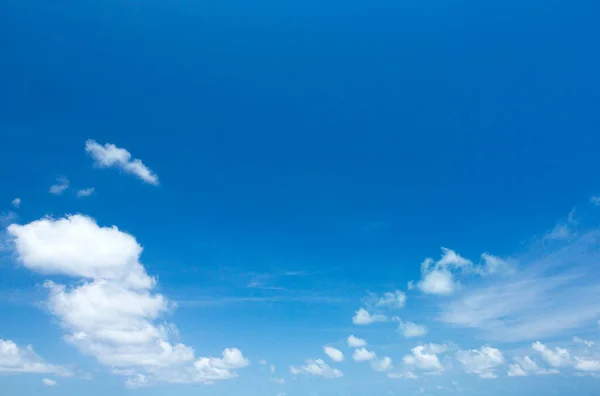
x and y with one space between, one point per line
363 317
86 192
317 368
110 155
334 354
557 357
355 342
49 382
14 360
62 183
384 364
482 362
436 276
425 358
392 300
363 355
112 313
16 202
410 329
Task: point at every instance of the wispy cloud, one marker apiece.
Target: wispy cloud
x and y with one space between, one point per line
537 301
109 155
229 300
86 192
62 183
16 202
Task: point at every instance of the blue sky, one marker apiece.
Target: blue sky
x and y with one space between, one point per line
210 198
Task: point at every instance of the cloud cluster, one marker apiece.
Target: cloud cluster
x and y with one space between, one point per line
482 362
362 317
112 313
425 358
109 155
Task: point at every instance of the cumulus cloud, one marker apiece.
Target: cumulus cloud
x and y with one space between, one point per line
15 360
588 365
109 155
384 364
62 183
112 312
86 192
557 357
355 342
424 357
526 366
363 317
363 355
49 382
436 276
483 362
318 368
411 330
16 202
334 354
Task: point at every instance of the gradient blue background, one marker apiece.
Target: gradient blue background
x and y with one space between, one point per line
345 139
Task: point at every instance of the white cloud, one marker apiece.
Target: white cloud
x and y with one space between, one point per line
49 382
392 300
587 343
14 360
481 362
363 317
334 354
384 364
595 201
492 265
355 342
424 358
317 368
535 303
557 357
112 313
437 277
563 230
363 355
262 362
16 202
410 329
110 155
589 365
86 192
277 380
272 368
405 375
526 366
62 183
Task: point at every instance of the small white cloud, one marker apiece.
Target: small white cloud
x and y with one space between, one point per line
86 192
363 355
62 183
384 364
406 375
272 368
587 343
16 202
355 342
436 276
318 368
481 362
15 359
262 362
557 357
363 317
411 330
334 354
110 155
526 366
49 382
563 230
277 380
136 381
595 201
410 285
514 370
492 265
392 300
